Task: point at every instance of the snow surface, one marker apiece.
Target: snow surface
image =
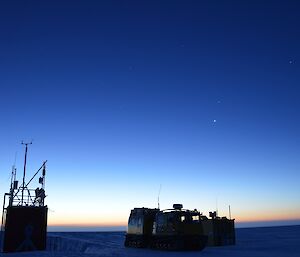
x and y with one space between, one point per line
251 242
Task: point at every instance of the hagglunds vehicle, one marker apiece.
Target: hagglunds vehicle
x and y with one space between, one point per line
171 229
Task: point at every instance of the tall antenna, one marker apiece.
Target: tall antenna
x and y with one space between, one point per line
13 184
217 206
13 173
24 173
13 176
158 196
229 212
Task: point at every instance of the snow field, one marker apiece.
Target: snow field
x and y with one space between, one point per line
251 242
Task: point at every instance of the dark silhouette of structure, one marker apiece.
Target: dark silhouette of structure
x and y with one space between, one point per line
24 218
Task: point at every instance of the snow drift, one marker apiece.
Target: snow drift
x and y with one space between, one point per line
251 242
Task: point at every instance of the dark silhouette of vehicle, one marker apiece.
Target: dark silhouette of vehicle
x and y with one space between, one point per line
220 230
171 229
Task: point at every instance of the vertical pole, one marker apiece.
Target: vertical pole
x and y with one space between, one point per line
44 174
229 213
11 192
43 184
158 197
3 213
217 211
24 173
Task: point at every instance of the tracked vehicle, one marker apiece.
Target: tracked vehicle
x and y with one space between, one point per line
171 229
220 230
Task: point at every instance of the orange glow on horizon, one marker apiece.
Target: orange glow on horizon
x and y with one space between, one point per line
88 224
255 216
109 223
82 219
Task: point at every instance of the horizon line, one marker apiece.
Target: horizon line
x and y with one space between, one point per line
121 228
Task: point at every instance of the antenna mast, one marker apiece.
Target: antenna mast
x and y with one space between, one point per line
217 211
24 173
158 196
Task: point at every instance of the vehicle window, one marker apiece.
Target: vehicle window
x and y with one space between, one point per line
196 218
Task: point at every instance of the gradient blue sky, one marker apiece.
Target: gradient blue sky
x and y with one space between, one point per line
201 97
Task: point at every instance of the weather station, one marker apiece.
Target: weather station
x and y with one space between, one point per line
24 215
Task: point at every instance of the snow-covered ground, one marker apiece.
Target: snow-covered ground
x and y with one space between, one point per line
251 242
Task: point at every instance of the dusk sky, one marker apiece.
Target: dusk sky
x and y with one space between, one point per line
200 97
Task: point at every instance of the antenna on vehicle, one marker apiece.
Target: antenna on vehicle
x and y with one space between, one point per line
24 173
217 206
158 196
